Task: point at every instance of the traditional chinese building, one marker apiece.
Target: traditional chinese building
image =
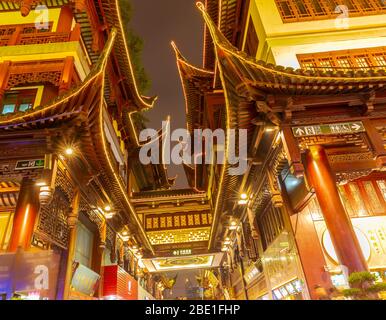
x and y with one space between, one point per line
68 138
310 209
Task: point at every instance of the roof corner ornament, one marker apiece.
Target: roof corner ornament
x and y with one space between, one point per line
26 6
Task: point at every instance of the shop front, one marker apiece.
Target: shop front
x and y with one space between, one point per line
283 271
371 233
255 282
29 275
119 285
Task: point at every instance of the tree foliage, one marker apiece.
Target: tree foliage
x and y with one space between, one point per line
135 46
363 286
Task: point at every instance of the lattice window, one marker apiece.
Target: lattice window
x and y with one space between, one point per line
271 224
363 62
382 187
53 219
361 59
307 10
380 59
363 197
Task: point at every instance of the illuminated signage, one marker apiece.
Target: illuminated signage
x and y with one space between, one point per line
327 129
371 234
29 164
363 241
251 274
34 274
84 280
182 252
118 284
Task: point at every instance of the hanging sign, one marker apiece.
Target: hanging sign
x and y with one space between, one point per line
29 164
327 129
182 252
84 280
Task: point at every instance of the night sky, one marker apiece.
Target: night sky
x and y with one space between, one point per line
158 22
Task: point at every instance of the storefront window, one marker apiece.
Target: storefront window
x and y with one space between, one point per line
84 245
382 187
5 229
374 202
357 199
346 202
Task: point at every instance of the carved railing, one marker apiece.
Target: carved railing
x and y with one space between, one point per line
20 35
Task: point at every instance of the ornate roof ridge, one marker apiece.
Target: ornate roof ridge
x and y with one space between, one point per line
95 73
352 75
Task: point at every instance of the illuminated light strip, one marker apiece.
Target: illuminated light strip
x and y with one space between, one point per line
159 137
217 43
188 266
100 68
181 59
253 62
228 122
118 10
282 73
107 156
65 98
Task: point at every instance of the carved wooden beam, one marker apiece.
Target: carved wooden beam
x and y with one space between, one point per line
292 150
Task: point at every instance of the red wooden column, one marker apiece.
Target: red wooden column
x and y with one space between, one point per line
4 74
65 19
68 69
342 233
27 209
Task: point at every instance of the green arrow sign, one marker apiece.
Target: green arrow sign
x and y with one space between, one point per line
327 129
29 164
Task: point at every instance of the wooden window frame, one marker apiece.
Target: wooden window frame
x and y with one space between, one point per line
365 196
357 8
24 93
370 54
252 42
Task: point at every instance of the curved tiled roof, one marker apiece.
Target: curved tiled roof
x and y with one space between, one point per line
193 80
108 12
243 70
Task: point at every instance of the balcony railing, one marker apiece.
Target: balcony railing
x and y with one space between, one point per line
19 36
307 10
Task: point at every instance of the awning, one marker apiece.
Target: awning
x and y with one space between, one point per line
9 192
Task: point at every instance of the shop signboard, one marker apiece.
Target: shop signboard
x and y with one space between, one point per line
328 129
84 280
182 252
371 234
118 284
28 273
29 164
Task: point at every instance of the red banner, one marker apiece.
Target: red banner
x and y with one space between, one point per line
118 284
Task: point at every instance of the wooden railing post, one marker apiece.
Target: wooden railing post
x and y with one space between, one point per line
15 38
